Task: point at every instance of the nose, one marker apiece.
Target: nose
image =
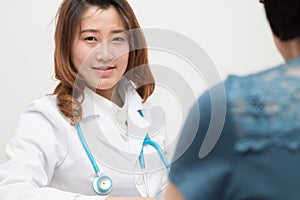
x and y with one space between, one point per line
104 52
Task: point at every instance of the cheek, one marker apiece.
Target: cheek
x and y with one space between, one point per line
79 55
124 60
121 53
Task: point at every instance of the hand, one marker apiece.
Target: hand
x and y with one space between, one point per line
172 192
96 197
128 198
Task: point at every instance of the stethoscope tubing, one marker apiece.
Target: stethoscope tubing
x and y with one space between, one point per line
147 141
87 149
156 146
102 185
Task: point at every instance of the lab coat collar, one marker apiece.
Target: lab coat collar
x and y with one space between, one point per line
93 103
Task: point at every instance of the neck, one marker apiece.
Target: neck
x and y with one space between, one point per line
112 95
105 93
289 49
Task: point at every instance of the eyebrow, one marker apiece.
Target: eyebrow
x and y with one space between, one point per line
97 31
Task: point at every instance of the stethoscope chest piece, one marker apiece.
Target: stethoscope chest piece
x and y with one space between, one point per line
102 185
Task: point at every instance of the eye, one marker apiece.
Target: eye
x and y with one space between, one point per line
118 39
90 39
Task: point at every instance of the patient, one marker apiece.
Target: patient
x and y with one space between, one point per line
257 156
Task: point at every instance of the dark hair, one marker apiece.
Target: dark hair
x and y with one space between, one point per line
68 22
284 18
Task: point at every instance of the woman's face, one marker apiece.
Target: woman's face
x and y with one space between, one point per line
100 50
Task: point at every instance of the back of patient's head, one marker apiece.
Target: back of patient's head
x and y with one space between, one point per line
284 18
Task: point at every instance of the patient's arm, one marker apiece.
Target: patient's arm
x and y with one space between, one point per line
172 193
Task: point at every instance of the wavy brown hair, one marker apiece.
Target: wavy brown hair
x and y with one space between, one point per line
69 90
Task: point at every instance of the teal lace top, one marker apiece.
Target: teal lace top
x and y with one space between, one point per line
257 156
265 108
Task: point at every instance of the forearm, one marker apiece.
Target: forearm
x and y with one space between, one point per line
80 197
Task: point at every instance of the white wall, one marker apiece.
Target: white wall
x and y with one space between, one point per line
234 33
26 59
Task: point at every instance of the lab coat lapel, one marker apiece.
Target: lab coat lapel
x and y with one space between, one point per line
102 113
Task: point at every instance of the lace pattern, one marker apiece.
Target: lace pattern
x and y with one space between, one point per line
265 108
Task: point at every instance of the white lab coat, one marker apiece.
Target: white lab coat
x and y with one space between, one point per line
47 161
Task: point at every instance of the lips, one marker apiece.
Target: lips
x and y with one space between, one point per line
103 68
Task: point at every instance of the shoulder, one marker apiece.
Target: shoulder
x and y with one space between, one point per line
41 128
263 107
42 121
256 79
251 94
45 108
42 104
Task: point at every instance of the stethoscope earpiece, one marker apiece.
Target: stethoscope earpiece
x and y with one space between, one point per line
102 185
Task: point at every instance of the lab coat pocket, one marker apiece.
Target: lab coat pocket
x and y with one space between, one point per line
150 183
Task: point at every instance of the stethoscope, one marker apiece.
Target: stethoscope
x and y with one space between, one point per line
102 184
148 141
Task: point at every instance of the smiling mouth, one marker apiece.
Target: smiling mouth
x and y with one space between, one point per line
103 68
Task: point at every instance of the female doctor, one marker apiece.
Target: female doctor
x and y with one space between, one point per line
88 139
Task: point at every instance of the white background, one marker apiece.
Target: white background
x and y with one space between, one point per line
234 33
